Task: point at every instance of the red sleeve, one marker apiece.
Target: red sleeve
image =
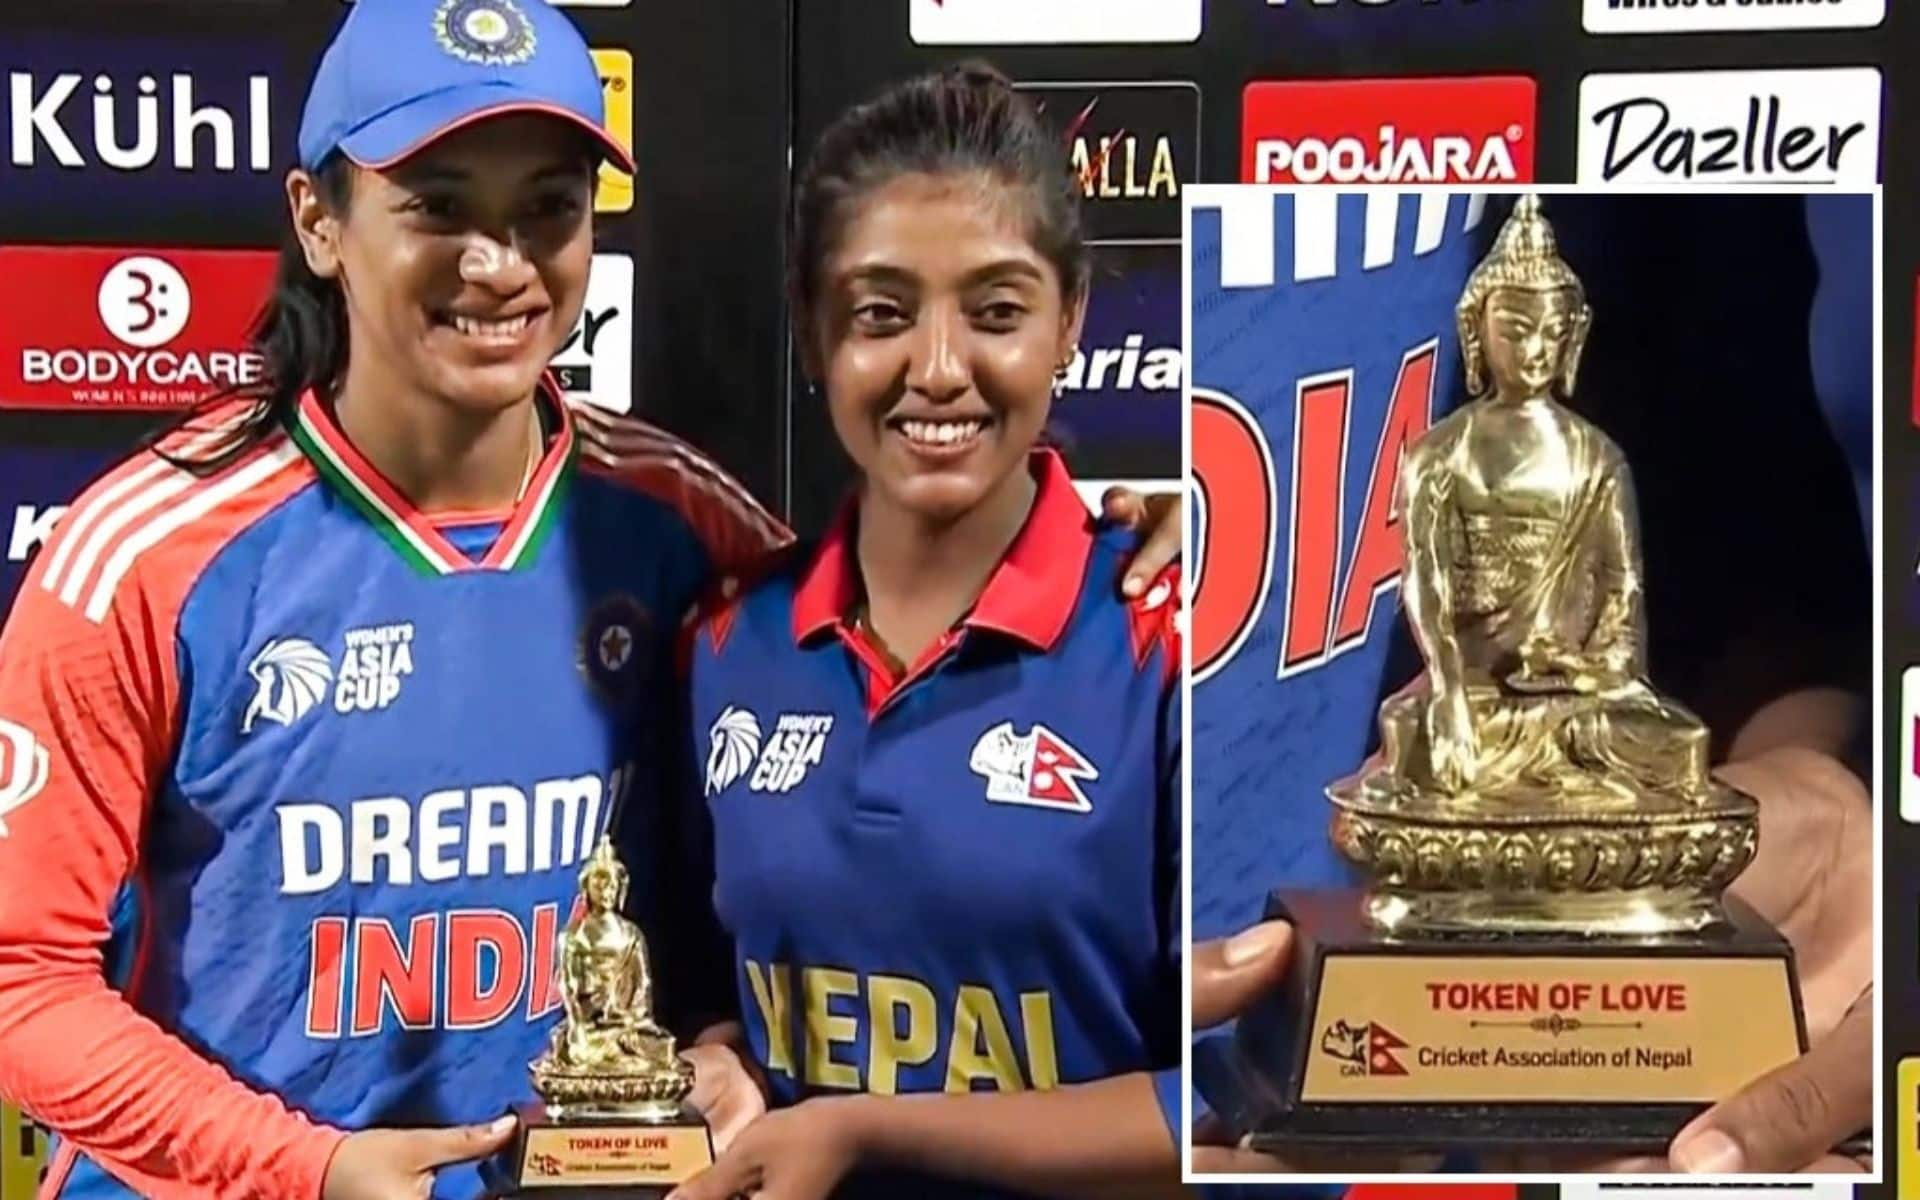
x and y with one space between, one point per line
737 531
1153 624
89 713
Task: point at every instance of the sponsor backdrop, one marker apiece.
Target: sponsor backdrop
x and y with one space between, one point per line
145 141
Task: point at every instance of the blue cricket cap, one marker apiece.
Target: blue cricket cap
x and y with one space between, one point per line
400 74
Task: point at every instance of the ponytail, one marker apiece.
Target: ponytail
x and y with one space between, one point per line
301 333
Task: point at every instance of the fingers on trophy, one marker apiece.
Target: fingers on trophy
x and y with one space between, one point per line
1543 953
613 1090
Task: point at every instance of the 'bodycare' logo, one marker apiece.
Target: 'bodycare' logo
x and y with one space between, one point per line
1466 130
119 328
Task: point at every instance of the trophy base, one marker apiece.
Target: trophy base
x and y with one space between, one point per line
1463 1041
638 1156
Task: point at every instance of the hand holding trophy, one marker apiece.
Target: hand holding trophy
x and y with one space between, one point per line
1544 955
612 1114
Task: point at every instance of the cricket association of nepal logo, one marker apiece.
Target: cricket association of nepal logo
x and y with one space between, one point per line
1363 1049
1038 768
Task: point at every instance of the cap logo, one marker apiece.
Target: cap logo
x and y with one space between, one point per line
487 33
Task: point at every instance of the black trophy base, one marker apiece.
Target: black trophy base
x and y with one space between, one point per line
1444 1042
601 1156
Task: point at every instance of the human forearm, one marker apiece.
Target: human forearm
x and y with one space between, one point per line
1825 719
1092 1139
138 1101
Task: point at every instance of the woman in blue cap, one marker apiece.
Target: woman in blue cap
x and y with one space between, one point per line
339 685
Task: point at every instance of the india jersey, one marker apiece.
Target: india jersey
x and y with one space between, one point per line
967 880
349 760
1322 343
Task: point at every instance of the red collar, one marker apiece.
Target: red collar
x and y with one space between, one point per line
1031 593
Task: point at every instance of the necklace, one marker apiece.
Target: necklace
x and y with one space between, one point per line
535 445
863 625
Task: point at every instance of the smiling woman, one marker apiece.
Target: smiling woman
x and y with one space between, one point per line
977 741
314 714
261 673
462 270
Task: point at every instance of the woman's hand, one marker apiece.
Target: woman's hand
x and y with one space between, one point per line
1813 880
798 1153
398 1164
1229 974
724 1091
1161 517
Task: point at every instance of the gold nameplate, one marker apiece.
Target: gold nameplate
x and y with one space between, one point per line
616 1156
1417 1028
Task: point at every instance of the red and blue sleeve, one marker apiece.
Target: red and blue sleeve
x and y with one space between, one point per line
733 528
1155 620
694 950
89 715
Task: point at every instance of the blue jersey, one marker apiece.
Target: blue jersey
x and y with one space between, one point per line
350 759
1322 343
966 879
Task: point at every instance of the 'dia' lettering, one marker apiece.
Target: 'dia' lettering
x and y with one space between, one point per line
899 1023
1326 592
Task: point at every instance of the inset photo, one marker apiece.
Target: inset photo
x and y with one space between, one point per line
1532 643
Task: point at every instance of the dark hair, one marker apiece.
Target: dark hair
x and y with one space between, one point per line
301 332
964 119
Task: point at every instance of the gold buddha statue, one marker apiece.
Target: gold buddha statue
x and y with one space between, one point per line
1534 778
608 1056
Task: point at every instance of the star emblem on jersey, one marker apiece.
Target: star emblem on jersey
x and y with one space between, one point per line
23 768
1038 768
610 645
290 676
616 647
487 33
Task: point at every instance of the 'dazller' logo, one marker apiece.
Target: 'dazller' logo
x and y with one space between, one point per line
1819 125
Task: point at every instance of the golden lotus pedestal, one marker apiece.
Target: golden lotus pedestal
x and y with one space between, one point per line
600 1134
1513 981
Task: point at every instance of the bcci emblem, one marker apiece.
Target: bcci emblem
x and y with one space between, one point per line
610 646
1364 1049
486 33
